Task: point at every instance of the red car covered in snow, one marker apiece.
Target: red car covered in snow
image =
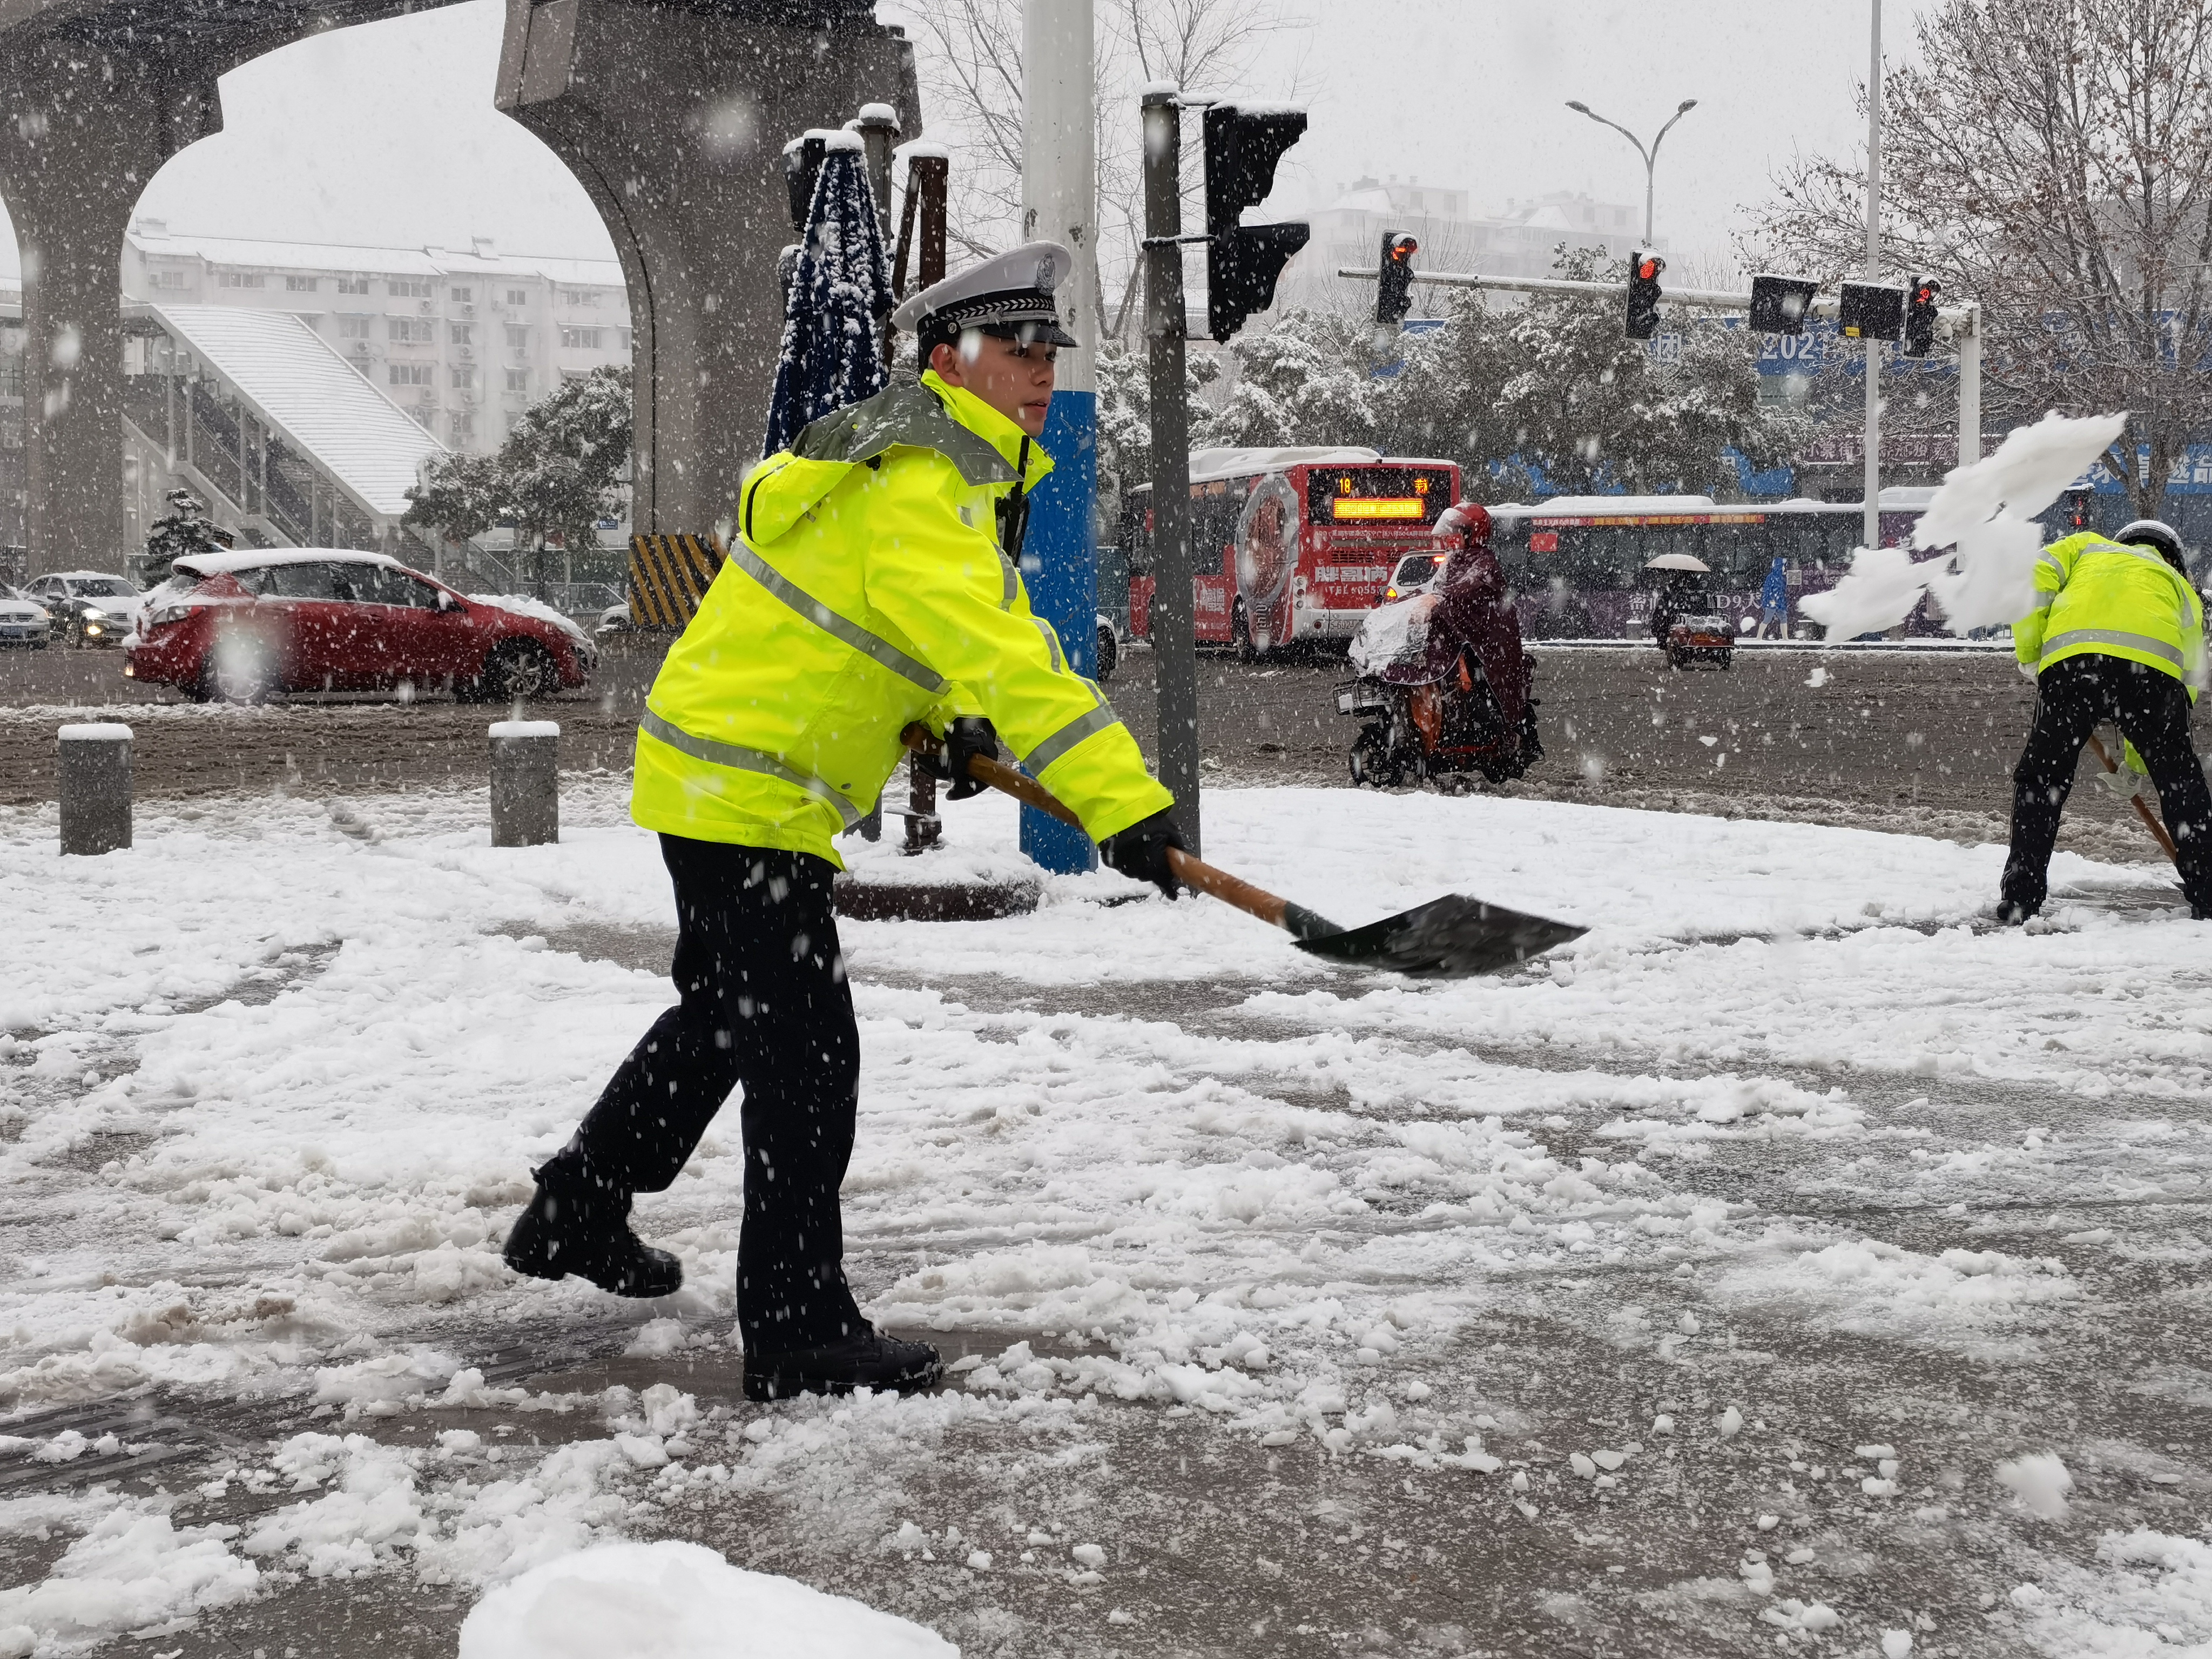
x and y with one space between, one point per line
250 623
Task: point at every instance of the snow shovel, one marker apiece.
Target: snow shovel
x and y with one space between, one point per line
2142 811
1450 938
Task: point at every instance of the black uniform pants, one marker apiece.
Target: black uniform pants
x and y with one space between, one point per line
765 1004
2151 709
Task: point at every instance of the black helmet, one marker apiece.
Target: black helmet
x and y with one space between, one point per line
2151 532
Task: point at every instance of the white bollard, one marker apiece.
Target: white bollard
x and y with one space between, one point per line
95 787
525 782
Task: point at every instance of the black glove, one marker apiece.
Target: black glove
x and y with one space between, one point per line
1140 852
966 737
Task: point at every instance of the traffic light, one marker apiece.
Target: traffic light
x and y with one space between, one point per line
1778 304
1644 295
1870 311
1393 278
1920 316
1243 261
2077 509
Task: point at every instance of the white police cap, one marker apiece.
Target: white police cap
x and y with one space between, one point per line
999 294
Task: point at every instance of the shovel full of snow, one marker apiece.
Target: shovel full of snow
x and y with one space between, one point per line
1450 938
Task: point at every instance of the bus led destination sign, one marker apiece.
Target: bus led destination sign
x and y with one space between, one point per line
1383 506
1646 519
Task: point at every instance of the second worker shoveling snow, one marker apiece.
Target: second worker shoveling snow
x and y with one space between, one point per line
2109 627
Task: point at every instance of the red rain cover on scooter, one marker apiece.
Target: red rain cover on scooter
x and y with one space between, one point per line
1470 613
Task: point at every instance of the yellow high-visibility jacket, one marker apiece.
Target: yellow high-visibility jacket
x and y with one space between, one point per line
866 588
2093 594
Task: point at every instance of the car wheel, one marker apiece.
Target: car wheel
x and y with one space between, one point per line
517 670
1109 653
1240 633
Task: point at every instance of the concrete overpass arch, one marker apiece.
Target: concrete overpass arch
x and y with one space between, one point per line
671 114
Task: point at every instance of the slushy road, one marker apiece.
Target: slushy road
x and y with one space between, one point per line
1917 741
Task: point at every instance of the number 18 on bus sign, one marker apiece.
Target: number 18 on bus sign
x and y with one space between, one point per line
1353 500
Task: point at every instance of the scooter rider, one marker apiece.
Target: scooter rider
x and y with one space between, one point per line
874 582
2117 633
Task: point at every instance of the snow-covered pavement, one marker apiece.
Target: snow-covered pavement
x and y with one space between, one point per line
1697 1289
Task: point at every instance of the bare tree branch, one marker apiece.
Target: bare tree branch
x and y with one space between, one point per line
2052 159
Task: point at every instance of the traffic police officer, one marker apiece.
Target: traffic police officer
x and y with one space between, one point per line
2116 633
873 581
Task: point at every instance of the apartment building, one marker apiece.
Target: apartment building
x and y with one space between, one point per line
464 341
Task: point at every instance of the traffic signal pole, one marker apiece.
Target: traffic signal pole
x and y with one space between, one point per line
1059 200
1963 322
1174 620
1871 517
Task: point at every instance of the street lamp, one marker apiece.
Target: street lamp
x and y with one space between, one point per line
1650 156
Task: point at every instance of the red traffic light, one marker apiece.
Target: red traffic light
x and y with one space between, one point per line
1642 318
1404 248
1920 316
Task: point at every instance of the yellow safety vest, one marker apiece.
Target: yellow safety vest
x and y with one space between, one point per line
865 589
2115 599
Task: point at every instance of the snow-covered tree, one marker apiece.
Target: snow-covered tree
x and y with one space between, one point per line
1309 380
2051 159
1582 408
186 529
558 473
1124 418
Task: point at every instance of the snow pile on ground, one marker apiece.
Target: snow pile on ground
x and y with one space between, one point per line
2041 1481
2155 1597
132 1572
677 1601
326 1065
1985 511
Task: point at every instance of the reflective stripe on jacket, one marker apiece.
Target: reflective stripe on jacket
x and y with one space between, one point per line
866 588
2093 594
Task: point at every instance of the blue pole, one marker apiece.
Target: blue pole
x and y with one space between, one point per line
1059 201
1059 569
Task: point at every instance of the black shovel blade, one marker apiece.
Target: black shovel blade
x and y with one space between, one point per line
1450 938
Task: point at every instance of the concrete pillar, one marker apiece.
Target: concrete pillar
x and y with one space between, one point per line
674 120
525 782
86 124
95 788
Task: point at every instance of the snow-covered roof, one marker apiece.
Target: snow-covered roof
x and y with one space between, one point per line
260 558
1583 507
1206 465
296 381
430 261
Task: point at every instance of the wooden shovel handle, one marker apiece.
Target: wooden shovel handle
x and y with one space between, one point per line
1194 872
2149 819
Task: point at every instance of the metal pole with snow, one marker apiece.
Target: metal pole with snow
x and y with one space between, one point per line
1060 204
1871 519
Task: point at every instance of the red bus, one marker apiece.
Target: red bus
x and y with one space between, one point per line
1289 545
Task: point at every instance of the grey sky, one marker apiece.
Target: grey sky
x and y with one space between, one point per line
386 134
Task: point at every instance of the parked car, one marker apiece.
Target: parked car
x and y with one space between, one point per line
23 620
88 607
251 623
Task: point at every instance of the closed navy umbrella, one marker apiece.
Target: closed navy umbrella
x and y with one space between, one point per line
838 291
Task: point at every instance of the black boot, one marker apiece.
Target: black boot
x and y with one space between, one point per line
588 1234
869 1360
